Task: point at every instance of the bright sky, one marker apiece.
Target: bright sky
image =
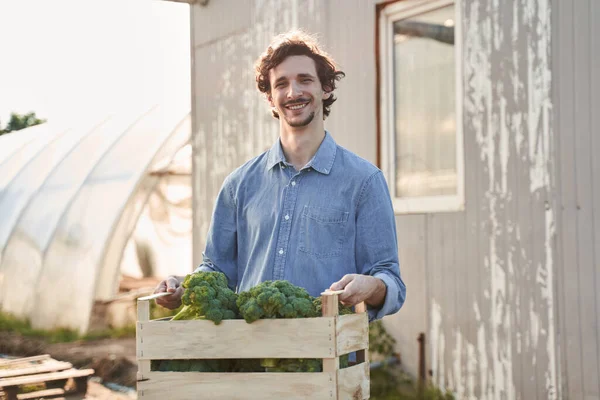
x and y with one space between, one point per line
91 57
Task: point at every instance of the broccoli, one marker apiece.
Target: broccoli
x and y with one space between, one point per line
192 365
292 364
275 299
207 296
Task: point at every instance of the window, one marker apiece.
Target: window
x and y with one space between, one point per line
421 105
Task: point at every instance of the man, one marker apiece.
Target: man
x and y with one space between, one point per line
307 210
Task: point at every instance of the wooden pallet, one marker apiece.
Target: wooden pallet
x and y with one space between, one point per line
15 373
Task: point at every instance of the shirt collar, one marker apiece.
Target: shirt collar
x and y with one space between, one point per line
321 162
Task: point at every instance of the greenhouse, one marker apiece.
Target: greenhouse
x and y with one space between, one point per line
83 206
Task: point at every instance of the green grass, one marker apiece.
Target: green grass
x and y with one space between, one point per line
10 323
390 383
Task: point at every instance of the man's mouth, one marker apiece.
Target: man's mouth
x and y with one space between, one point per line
296 106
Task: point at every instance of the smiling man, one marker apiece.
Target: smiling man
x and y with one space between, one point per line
307 210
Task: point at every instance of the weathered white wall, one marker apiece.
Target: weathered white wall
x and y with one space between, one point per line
576 97
492 268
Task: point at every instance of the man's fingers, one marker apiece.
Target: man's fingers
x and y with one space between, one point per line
162 287
342 283
172 284
172 301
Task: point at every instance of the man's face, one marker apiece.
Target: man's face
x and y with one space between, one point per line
296 91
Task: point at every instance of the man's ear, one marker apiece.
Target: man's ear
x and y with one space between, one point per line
326 95
270 100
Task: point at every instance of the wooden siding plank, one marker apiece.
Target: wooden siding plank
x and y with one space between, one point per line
435 310
569 267
594 17
585 242
217 21
412 319
525 267
514 122
483 296
556 51
473 266
356 130
462 305
450 279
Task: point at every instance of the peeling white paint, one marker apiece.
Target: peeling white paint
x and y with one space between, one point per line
500 136
538 87
458 380
471 371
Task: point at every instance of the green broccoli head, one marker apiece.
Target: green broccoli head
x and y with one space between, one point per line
206 295
275 299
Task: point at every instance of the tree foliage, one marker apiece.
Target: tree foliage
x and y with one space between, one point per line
20 121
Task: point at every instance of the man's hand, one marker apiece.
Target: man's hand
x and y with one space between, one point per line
358 288
171 284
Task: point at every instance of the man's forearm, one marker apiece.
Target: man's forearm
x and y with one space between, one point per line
378 297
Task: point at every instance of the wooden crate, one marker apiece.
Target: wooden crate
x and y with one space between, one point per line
326 337
15 373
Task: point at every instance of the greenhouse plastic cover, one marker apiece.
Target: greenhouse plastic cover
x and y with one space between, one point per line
70 198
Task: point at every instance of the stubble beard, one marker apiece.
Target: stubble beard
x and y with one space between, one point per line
302 123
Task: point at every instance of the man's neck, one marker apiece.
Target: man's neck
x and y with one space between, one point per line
300 144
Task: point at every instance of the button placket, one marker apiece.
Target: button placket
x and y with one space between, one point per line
290 194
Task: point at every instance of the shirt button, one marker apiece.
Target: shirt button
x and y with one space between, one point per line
282 166
293 183
280 251
287 217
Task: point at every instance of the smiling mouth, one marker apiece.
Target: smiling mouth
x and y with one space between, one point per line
296 106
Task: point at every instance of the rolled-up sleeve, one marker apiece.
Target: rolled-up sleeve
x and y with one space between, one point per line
377 245
220 253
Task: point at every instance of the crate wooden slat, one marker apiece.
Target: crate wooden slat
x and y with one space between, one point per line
233 386
352 332
353 382
297 338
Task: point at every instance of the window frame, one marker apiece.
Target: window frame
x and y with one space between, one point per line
389 14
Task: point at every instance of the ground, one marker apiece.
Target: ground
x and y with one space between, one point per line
112 359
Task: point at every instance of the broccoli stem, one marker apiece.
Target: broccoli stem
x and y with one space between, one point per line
186 312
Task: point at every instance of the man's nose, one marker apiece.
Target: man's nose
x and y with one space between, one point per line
295 91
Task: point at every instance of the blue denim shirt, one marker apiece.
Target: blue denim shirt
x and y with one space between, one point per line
310 227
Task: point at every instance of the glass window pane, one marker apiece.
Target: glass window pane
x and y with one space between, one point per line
425 117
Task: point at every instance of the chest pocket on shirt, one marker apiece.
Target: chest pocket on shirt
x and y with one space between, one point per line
322 231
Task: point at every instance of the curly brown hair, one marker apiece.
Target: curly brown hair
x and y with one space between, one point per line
298 43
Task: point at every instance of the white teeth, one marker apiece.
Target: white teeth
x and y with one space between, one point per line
297 107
